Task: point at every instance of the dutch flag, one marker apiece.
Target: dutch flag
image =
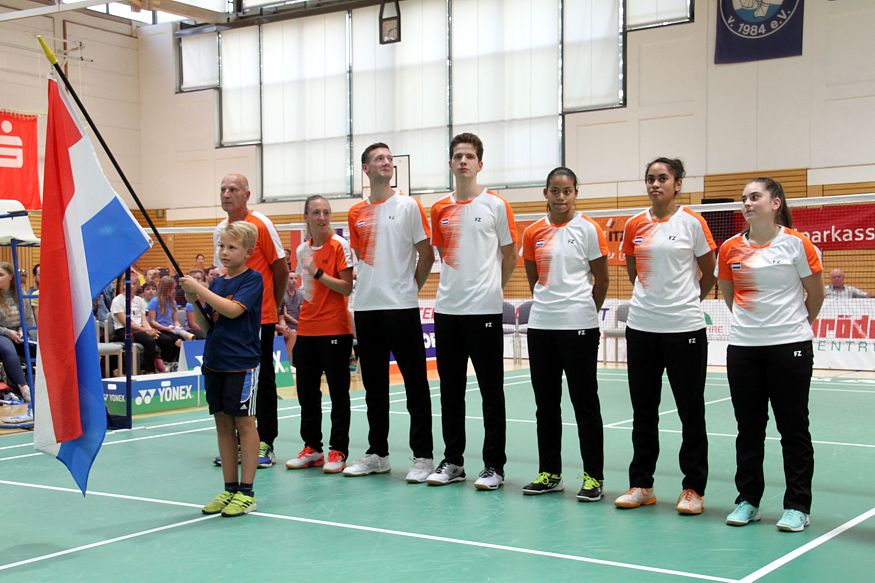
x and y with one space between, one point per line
88 238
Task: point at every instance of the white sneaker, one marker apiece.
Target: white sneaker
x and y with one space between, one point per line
489 479
635 497
420 470
307 458
370 464
446 473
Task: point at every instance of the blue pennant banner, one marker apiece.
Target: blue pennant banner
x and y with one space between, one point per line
755 30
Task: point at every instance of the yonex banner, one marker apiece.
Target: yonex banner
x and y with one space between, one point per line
152 393
192 355
755 30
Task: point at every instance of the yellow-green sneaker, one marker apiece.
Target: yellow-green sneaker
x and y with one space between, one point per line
591 490
544 483
239 505
219 503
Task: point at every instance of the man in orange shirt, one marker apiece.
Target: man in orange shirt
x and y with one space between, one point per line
268 259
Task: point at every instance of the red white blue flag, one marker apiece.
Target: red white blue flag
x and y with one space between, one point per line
88 238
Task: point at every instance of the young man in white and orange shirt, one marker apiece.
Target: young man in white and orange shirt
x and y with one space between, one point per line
390 236
268 259
474 231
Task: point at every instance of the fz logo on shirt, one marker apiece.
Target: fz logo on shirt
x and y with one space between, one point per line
488 325
478 219
797 353
334 341
391 217
672 237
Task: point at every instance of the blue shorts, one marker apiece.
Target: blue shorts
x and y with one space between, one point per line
233 393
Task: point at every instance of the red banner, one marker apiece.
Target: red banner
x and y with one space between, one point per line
18 159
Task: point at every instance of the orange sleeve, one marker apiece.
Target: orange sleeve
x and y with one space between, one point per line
528 245
436 238
351 219
265 242
425 226
629 235
724 271
812 254
511 223
600 234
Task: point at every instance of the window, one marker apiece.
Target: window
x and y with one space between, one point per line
304 107
200 61
505 85
400 91
593 54
241 91
649 13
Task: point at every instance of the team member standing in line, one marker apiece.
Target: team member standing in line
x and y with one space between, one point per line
474 231
267 259
566 263
324 339
231 361
763 273
388 231
670 260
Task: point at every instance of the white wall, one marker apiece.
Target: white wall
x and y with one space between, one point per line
815 111
104 72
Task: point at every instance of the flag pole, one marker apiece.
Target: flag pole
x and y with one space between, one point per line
50 55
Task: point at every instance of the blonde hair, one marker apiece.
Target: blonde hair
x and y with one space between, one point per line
244 233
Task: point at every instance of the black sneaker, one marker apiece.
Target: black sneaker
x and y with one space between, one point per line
544 483
591 491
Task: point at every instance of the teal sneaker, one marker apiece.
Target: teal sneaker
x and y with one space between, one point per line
544 483
744 513
219 503
239 505
793 521
591 490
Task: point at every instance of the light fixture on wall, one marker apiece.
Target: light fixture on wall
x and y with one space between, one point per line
390 22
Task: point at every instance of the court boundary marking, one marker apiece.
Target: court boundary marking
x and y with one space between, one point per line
334 524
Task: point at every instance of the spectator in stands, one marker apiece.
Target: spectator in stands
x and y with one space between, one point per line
11 338
200 263
190 320
291 311
838 290
212 273
162 316
153 275
141 331
34 302
150 290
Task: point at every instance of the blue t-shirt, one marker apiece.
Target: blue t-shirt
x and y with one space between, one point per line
165 318
234 344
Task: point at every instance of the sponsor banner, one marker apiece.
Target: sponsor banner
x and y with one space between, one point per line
755 30
192 356
19 158
154 393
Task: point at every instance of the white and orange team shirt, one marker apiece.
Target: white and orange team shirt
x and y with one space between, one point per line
665 297
384 235
268 248
563 293
323 312
769 306
471 235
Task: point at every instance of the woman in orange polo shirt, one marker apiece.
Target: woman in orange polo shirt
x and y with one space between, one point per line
324 343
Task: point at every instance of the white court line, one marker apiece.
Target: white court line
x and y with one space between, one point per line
677 431
478 544
343 525
104 542
623 422
433 395
796 553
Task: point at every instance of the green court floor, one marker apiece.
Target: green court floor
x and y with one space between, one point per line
141 520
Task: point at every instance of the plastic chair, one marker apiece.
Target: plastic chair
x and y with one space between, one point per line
616 332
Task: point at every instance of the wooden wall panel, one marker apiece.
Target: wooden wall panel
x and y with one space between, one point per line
795 182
